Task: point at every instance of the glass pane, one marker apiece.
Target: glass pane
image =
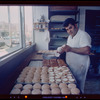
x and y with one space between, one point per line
14 31
9 29
28 25
4 30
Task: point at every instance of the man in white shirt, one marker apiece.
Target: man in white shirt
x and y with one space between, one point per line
77 51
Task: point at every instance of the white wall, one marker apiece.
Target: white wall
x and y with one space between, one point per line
41 43
40 37
82 14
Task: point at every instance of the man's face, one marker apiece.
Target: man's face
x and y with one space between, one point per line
71 30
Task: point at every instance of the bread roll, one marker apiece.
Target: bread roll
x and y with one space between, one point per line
37 86
75 91
46 91
63 85
55 91
18 86
45 86
54 85
65 91
15 91
26 91
36 91
71 85
27 86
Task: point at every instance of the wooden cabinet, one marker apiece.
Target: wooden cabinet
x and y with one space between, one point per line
57 15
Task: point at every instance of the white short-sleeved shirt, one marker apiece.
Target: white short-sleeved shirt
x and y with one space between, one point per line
78 63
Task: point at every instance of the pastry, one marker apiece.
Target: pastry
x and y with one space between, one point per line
71 85
18 86
36 91
37 86
63 85
15 91
27 86
45 86
55 91
54 85
26 91
75 91
46 91
65 91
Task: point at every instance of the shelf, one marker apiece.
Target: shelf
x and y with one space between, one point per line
64 12
59 30
56 22
58 35
59 38
40 28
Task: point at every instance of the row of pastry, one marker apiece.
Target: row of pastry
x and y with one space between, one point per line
47 89
46 75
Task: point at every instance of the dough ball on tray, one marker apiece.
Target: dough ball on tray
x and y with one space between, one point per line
46 91
36 91
75 91
26 91
37 86
27 86
18 86
71 85
15 91
55 91
45 86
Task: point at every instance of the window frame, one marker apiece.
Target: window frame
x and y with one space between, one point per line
22 36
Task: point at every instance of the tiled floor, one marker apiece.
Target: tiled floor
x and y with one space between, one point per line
92 84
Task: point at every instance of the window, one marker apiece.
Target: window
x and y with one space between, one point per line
14 22
28 25
10 31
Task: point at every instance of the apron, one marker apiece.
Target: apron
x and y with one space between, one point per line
78 65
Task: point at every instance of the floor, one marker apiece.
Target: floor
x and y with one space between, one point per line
92 84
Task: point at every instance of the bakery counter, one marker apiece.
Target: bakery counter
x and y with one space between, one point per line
45 72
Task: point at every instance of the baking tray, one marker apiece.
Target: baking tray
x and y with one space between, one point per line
50 55
41 88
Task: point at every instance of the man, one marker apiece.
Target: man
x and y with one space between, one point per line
77 51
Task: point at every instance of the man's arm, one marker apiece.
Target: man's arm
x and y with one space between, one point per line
83 50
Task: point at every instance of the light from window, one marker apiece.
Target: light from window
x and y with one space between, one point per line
9 29
28 25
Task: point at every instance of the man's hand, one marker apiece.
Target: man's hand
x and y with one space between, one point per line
66 48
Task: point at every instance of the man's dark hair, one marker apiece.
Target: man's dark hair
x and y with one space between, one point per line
69 21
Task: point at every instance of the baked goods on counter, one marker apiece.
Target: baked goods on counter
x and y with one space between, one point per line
75 91
53 77
45 51
36 91
46 62
26 91
45 86
15 91
46 74
37 86
27 86
55 91
46 91
65 91
53 88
